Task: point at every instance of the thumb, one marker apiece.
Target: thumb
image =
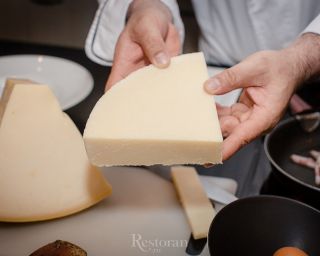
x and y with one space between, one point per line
153 45
228 80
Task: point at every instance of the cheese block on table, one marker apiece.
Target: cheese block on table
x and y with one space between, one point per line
194 199
44 169
156 116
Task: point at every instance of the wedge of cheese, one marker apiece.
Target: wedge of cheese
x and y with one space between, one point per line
195 202
156 116
44 169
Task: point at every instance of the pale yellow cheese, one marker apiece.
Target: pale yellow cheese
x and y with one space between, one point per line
156 116
44 169
195 202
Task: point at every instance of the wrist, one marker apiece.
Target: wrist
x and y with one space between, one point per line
304 57
140 5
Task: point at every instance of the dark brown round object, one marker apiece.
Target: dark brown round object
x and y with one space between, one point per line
59 248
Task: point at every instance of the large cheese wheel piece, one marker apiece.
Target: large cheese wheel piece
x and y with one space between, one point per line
44 169
156 116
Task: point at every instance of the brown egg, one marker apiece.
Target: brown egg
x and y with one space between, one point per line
289 251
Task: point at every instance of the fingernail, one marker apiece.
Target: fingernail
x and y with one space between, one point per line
212 85
161 59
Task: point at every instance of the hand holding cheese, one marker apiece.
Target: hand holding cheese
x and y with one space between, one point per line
268 79
44 170
148 37
156 116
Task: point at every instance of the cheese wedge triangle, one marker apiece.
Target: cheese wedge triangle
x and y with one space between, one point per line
156 116
44 169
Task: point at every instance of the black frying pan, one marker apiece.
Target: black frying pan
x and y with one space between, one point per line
263 224
298 181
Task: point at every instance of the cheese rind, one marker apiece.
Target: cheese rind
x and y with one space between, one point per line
156 116
195 202
44 169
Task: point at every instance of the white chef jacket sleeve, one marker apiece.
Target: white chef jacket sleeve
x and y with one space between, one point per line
314 26
108 23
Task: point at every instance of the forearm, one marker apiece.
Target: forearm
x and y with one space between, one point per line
304 55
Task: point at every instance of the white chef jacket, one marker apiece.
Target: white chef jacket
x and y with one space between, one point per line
230 29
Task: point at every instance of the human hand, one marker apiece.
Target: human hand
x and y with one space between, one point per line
268 79
149 37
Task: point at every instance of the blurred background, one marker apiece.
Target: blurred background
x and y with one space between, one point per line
65 22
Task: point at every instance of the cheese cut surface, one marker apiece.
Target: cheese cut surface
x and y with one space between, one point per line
44 169
156 116
195 202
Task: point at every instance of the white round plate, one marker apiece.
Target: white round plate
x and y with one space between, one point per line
69 81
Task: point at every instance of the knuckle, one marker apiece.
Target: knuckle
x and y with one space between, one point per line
152 43
139 29
151 40
230 76
263 59
244 142
140 25
264 62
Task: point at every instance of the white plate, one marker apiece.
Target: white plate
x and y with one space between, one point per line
69 81
229 98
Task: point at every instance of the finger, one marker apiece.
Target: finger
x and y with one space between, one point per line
153 44
227 125
243 134
238 76
240 111
222 110
128 57
208 165
115 76
172 41
121 70
245 98
237 110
